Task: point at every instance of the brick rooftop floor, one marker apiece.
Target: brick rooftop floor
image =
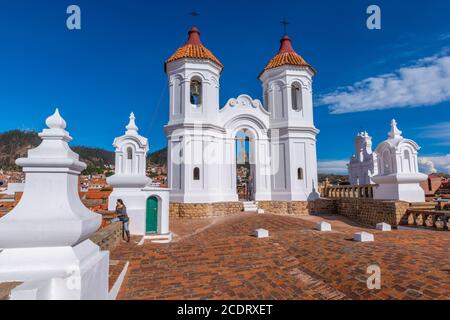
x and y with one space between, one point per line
115 268
217 258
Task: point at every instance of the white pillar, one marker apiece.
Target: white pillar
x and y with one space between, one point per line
45 238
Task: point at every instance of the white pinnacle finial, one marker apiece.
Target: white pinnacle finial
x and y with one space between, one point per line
55 121
395 132
132 127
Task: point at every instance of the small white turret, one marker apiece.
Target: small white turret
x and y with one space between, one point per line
131 158
363 164
147 206
399 175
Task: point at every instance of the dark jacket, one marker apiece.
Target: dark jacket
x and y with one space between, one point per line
122 214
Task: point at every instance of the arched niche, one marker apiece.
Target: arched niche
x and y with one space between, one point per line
196 91
296 96
386 162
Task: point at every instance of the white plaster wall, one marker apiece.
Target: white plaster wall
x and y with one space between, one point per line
136 202
46 272
180 73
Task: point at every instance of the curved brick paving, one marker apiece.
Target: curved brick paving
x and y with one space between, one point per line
218 259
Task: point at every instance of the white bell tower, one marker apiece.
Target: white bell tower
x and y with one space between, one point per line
287 88
193 130
194 74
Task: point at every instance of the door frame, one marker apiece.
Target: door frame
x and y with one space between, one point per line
158 205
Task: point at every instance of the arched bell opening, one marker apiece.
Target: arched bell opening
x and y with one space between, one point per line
245 165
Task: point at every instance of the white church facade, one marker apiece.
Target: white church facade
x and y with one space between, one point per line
203 138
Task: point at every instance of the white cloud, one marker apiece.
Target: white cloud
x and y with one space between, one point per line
432 164
425 83
439 131
426 166
444 36
333 166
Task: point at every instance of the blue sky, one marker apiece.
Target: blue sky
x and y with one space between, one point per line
114 65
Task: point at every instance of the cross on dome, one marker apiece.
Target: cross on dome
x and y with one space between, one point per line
285 23
194 14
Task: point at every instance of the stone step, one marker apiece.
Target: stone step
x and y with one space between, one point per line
250 206
422 206
158 238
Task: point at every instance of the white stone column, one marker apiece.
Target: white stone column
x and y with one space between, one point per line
45 238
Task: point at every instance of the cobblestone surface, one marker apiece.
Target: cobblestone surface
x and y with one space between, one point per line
218 258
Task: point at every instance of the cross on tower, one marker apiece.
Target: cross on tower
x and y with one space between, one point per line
285 23
194 14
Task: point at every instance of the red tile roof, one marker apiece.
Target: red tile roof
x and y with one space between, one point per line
97 195
194 49
286 56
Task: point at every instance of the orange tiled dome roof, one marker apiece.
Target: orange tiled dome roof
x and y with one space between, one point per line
286 56
194 49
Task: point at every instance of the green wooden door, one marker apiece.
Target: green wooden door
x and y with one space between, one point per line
152 215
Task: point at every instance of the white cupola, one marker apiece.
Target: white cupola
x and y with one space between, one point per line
131 158
399 175
287 87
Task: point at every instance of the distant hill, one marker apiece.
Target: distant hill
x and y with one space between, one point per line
95 156
15 144
158 157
